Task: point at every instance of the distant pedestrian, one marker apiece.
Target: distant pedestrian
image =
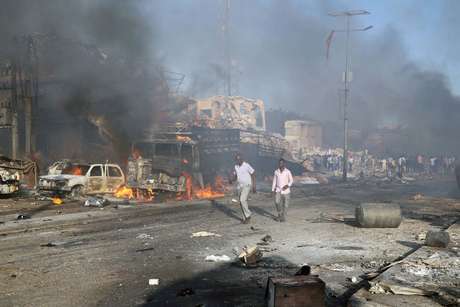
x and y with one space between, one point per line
245 176
282 181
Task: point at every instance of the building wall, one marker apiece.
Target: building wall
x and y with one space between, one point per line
232 112
304 134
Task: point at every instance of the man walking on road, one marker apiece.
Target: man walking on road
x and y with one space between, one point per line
282 181
246 178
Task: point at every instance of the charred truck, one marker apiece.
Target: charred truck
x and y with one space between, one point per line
171 161
199 148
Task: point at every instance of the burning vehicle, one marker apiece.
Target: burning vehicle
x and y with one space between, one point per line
197 161
75 178
184 163
12 172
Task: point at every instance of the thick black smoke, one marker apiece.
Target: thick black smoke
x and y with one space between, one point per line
96 63
279 53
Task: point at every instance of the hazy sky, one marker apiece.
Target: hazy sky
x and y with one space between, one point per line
405 69
428 29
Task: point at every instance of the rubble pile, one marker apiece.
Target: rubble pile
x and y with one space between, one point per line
230 112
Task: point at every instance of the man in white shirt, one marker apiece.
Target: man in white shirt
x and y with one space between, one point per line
246 178
282 181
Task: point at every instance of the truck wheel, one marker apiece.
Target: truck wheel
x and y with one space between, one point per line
76 191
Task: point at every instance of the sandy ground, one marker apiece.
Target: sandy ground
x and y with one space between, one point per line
105 257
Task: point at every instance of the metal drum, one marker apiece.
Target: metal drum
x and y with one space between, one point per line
378 215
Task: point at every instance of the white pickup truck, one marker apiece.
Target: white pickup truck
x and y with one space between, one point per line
65 177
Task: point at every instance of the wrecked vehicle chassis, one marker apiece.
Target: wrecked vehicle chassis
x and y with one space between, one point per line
83 179
11 173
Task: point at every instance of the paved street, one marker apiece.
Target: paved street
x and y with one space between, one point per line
70 255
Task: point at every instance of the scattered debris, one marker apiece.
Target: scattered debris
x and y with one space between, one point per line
62 244
353 279
304 245
376 288
96 202
250 255
267 239
421 236
204 234
437 238
144 236
371 275
418 196
304 270
337 267
23 217
186 292
383 287
306 179
144 249
154 282
217 258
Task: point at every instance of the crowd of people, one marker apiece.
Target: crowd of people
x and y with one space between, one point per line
364 164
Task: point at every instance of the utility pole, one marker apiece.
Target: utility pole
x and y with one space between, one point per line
228 57
346 80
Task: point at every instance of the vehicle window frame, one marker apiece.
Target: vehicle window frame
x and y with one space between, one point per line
93 167
120 173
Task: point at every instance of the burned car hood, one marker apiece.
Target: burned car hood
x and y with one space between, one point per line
60 177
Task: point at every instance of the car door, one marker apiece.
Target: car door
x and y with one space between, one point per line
115 177
96 178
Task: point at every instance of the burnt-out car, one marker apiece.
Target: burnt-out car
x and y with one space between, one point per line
65 177
9 181
13 172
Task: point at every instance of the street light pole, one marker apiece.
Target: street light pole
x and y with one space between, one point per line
345 105
346 80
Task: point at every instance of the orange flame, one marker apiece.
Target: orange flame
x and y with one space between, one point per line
76 170
208 193
57 201
124 192
134 193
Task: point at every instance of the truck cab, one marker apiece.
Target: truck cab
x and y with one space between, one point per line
164 164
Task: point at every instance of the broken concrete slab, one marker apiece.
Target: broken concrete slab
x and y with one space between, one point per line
429 272
437 238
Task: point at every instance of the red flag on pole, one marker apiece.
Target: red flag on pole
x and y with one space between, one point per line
328 43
